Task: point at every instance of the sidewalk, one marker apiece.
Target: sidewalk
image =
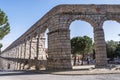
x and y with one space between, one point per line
77 70
88 70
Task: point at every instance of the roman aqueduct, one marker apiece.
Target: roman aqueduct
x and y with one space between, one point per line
30 47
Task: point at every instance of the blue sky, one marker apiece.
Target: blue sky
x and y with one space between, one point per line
22 14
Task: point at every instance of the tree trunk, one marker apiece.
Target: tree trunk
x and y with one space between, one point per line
74 60
82 59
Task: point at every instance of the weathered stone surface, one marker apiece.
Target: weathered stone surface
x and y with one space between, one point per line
30 47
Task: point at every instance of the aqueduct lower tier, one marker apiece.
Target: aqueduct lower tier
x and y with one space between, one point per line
30 47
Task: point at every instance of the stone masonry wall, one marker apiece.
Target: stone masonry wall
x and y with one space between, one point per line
20 53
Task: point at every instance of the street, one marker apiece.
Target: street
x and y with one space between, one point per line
39 76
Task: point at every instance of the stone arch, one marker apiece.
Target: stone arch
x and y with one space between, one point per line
44 28
58 20
114 17
59 50
111 17
81 26
111 29
87 18
40 59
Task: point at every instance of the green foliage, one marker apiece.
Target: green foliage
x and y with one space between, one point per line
88 44
81 45
117 51
77 44
4 25
111 47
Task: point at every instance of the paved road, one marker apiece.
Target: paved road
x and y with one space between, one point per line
39 76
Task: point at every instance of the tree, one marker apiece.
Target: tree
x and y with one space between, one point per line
88 47
77 45
110 48
81 45
117 51
88 44
4 25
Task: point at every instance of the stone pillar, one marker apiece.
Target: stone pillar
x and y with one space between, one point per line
37 53
33 47
27 49
59 50
27 54
13 56
17 57
21 50
30 46
37 47
41 48
24 50
33 51
100 46
30 43
24 53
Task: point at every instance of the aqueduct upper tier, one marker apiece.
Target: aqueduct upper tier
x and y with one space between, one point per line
31 45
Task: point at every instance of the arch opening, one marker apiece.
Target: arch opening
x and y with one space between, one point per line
38 50
79 28
43 49
74 31
112 38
